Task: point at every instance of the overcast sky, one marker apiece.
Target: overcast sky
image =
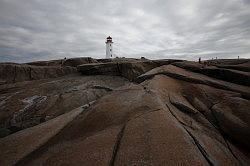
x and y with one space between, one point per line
183 29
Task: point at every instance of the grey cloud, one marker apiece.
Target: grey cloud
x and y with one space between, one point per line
43 29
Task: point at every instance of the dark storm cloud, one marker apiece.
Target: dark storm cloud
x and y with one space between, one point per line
44 29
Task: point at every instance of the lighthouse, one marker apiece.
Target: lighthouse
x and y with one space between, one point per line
109 48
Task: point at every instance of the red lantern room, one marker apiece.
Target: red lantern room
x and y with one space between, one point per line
109 40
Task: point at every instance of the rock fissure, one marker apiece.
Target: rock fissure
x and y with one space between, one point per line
102 87
217 125
196 142
144 114
119 69
176 116
223 135
117 145
202 150
15 73
42 147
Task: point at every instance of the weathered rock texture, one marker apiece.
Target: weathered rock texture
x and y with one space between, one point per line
229 75
11 73
129 69
174 114
74 62
26 104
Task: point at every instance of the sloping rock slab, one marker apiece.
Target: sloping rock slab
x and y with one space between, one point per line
234 119
185 75
133 125
241 67
229 75
15 147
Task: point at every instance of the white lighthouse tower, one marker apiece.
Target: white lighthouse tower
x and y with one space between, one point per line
109 48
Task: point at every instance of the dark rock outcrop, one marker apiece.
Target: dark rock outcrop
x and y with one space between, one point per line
233 117
128 69
229 75
182 74
26 104
47 63
173 114
11 73
109 68
74 62
241 67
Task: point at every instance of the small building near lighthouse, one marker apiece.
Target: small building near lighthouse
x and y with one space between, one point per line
109 48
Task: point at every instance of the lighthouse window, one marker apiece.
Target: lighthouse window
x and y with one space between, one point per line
110 44
110 49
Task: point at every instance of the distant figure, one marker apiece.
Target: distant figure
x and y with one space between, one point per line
200 60
238 57
62 61
216 58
